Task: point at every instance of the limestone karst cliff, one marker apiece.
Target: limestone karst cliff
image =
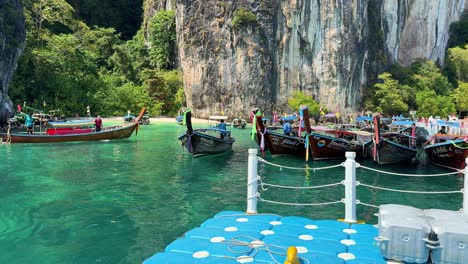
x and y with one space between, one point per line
12 38
329 49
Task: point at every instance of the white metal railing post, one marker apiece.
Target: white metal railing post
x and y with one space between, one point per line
465 189
350 188
252 182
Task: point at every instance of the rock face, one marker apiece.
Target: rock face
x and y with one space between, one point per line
418 29
329 49
12 40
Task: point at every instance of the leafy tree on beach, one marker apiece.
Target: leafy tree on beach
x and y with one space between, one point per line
389 95
300 98
460 97
457 64
430 103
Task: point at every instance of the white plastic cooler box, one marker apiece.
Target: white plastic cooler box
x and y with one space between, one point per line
451 228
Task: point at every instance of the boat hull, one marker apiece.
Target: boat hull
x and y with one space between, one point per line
120 132
387 152
451 155
325 147
200 144
279 144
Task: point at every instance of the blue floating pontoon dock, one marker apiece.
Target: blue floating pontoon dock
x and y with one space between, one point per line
404 234
237 237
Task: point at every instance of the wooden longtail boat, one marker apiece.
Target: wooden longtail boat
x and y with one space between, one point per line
333 144
72 131
449 151
279 143
205 141
391 147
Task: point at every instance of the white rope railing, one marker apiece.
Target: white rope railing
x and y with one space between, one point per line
299 204
412 175
299 168
366 204
297 187
408 191
350 184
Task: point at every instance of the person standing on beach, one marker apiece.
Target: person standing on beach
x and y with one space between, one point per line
98 123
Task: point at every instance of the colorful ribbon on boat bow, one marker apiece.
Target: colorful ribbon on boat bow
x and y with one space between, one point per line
301 122
254 123
262 141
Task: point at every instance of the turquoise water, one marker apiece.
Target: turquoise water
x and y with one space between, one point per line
122 201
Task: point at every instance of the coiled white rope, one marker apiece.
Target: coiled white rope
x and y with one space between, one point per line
255 245
297 168
413 175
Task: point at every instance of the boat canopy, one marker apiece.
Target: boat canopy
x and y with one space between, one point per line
364 118
289 118
402 123
448 123
218 117
72 123
321 128
369 118
400 118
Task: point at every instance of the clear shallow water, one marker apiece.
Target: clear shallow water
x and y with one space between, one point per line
122 201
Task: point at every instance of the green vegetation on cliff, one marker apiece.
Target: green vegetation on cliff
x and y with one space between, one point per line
424 86
78 54
243 16
68 65
123 15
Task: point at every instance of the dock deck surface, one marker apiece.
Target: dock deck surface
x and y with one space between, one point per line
237 237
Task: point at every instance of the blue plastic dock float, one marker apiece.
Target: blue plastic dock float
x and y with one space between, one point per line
237 237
